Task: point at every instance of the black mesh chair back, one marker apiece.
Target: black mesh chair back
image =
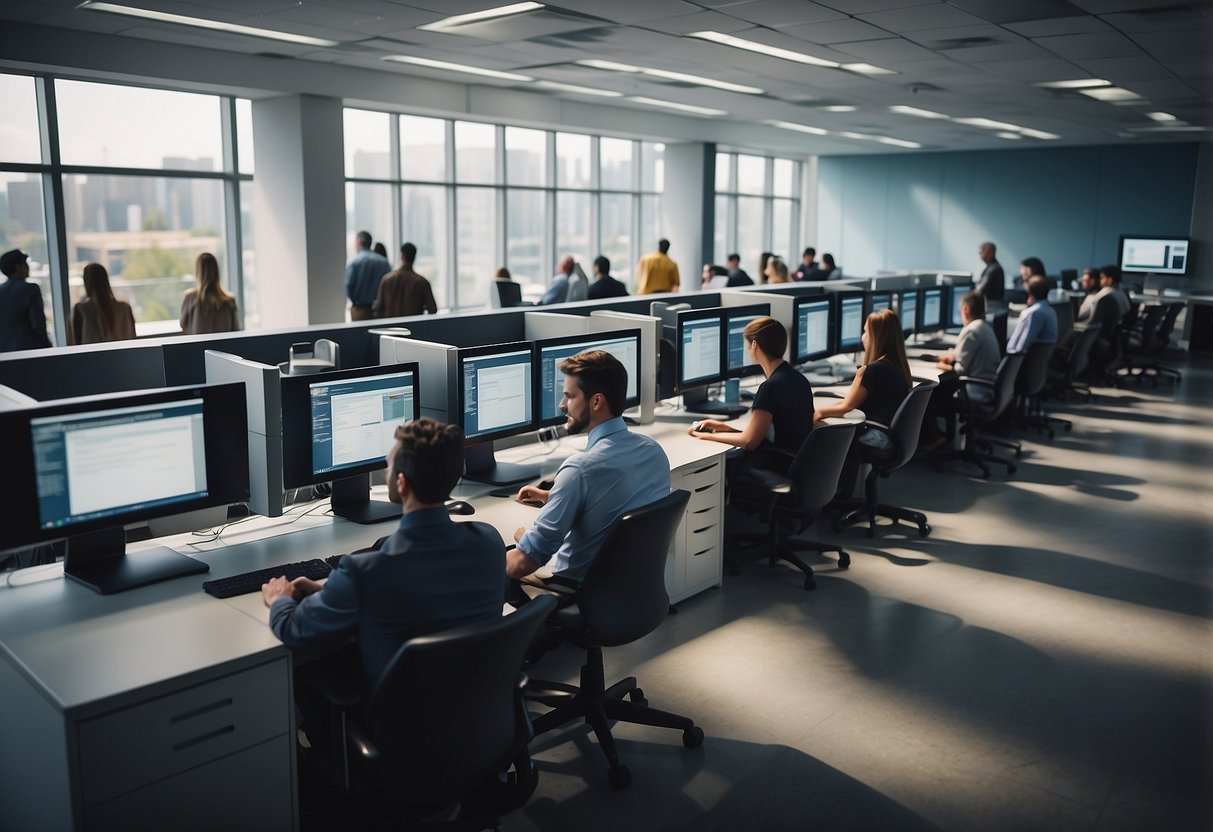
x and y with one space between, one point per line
1080 357
1168 324
435 747
907 424
815 470
1065 318
1004 384
506 294
623 595
999 323
1035 370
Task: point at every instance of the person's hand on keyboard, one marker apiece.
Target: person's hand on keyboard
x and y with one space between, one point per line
298 589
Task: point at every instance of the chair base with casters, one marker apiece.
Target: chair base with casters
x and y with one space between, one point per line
978 449
854 511
780 548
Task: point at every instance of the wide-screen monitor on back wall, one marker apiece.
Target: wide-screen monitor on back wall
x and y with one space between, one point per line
1141 254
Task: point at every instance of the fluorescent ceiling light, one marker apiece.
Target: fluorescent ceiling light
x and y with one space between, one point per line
897 142
915 111
1012 136
1076 84
840 108
556 85
846 134
868 69
698 80
1038 134
988 123
1111 94
203 23
672 105
801 128
762 49
474 17
1163 117
470 70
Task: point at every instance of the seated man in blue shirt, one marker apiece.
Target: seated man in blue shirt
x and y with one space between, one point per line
618 471
558 289
1038 322
430 575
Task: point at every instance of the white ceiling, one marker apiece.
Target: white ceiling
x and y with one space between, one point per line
963 58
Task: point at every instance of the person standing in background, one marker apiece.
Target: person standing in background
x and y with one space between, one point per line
208 307
362 276
656 272
99 316
403 291
22 317
991 282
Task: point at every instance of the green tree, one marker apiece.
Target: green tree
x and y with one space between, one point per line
156 262
154 220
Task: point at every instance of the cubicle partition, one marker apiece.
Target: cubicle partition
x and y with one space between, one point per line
62 372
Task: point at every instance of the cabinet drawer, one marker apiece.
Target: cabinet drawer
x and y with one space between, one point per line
703 567
702 534
707 499
696 477
153 740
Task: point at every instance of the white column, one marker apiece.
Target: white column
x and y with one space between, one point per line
686 207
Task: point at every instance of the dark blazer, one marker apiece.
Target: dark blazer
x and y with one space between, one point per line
606 287
991 283
22 319
738 277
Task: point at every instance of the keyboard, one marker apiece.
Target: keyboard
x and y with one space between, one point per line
248 582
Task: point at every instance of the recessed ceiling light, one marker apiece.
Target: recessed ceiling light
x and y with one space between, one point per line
470 70
1038 134
609 65
203 23
800 128
840 108
673 105
475 17
1163 117
698 80
555 85
762 48
847 134
1076 84
988 123
915 111
1111 94
897 142
868 69
1012 136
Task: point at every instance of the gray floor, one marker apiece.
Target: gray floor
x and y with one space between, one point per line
1041 661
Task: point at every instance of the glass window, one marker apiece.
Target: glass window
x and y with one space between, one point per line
750 240
244 134
781 231
652 166
116 126
785 177
724 168
23 226
248 262
368 137
19 120
423 213
368 207
751 174
573 227
526 220
475 152
572 161
615 161
525 156
147 231
476 222
616 220
720 239
651 226
423 149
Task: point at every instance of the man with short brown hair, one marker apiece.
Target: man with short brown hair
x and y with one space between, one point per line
403 291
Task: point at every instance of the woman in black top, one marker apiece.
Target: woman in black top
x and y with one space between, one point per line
780 419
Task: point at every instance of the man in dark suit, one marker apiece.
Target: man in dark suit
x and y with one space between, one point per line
22 319
604 286
737 275
990 284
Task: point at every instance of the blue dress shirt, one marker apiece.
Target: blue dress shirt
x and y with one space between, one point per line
362 276
1037 323
619 470
557 291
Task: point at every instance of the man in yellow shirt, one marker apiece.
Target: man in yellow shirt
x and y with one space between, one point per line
657 272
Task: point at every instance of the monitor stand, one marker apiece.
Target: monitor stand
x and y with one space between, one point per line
820 373
696 400
99 561
481 465
351 499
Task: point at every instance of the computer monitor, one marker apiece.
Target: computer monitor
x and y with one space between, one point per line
876 302
930 309
83 468
624 344
736 318
812 329
1157 255
850 321
907 310
339 425
700 349
495 400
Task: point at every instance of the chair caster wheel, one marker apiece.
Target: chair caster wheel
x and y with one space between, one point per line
692 737
619 777
810 584
844 560
924 530
637 697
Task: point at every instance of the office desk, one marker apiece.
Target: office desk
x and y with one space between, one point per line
162 707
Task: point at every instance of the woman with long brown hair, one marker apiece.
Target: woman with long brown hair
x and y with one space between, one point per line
208 307
99 316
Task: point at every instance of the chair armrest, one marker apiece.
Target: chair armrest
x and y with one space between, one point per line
984 382
872 423
771 481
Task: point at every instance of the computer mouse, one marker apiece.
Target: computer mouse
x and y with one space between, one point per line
545 485
702 428
459 507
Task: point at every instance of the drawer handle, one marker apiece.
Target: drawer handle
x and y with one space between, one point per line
197 712
704 510
703 488
704 529
704 552
207 737
707 468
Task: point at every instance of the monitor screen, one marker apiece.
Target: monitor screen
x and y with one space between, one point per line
850 321
341 423
1154 255
812 341
929 312
958 295
623 344
907 309
878 301
736 319
699 347
495 395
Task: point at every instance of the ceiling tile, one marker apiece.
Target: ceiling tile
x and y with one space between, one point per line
937 16
1001 11
700 21
1058 26
844 30
780 13
1176 19
866 6
1009 51
1165 89
961 37
1034 70
1094 45
1125 71
619 11
888 51
1107 6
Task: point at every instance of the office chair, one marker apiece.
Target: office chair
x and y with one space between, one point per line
578 286
1065 317
425 752
999 323
622 599
903 431
1068 380
810 484
1149 340
1033 375
978 448
506 294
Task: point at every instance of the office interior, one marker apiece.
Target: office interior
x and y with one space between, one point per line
1041 660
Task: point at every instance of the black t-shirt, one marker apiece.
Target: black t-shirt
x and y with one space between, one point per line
788 397
606 287
886 388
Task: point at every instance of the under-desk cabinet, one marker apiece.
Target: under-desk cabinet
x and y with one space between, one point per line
696 557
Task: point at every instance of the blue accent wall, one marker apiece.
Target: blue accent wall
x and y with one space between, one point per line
1067 205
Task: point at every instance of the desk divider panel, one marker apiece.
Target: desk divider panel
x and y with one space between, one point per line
436 373
605 320
782 308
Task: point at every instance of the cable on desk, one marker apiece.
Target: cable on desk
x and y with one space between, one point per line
42 569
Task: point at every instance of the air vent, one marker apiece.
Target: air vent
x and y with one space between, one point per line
962 43
593 35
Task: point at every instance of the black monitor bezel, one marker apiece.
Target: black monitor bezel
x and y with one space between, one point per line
225 426
1170 238
464 353
829 350
839 347
908 328
683 316
750 309
297 422
869 300
565 340
945 300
